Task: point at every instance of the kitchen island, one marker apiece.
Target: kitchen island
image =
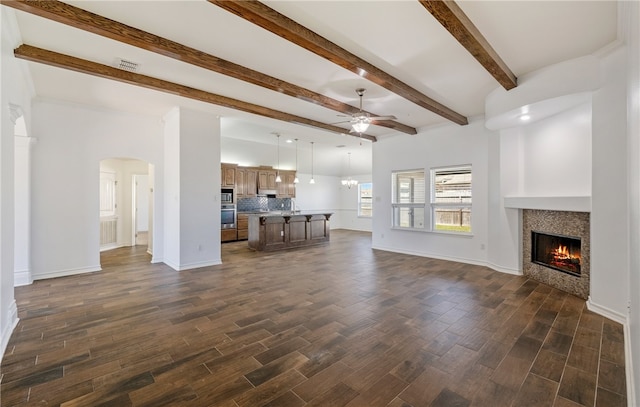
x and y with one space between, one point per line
288 229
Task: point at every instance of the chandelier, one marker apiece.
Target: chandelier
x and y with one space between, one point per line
349 182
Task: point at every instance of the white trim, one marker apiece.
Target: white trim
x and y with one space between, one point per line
196 265
67 272
549 203
606 312
22 277
494 267
628 366
12 318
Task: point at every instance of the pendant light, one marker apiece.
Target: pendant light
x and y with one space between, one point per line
296 180
278 179
349 182
312 181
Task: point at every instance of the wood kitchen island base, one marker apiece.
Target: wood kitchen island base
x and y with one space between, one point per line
278 231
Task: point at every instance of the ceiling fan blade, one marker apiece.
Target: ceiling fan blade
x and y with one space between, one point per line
378 118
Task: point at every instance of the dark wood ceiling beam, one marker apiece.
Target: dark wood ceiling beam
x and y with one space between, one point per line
271 20
34 54
449 14
96 24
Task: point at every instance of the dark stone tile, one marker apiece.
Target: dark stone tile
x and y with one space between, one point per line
612 377
558 342
536 391
578 386
607 398
448 398
583 358
549 365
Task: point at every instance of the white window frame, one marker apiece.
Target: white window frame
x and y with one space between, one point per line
409 207
363 200
461 211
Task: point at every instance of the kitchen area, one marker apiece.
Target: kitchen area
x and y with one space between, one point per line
258 205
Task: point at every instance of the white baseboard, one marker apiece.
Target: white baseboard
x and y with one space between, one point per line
68 272
607 312
628 365
22 277
190 266
492 266
7 330
628 359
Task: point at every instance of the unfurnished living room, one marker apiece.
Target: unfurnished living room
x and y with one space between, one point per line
291 203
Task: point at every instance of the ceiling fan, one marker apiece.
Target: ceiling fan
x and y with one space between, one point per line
360 121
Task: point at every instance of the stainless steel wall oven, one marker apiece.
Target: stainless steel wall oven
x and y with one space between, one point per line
228 216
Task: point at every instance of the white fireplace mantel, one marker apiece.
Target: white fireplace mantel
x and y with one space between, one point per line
549 203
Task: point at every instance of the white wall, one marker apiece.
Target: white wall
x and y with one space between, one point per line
72 140
629 17
609 204
192 218
556 154
443 146
15 97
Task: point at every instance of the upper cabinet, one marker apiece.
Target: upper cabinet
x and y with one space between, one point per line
228 175
267 179
287 188
246 182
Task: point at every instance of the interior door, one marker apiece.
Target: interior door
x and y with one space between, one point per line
108 210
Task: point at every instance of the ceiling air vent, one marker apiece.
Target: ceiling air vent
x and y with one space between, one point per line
126 65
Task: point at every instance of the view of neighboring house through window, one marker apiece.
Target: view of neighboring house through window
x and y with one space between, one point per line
451 199
365 199
408 200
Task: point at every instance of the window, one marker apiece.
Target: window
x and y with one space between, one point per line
451 199
365 199
408 200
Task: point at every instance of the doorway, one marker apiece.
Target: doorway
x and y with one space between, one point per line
140 209
125 203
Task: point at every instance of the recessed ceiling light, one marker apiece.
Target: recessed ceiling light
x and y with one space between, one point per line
289 140
525 117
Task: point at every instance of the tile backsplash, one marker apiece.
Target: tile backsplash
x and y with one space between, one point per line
262 203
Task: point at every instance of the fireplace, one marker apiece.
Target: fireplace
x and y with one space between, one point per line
558 252
556 249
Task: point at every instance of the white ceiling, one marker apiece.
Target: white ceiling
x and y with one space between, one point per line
400 37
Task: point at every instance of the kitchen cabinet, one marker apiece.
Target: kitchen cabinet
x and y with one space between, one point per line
228 235
246 182
286 231
287 188
228 174
267 179
243 226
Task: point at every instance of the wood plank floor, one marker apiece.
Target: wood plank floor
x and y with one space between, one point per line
333 325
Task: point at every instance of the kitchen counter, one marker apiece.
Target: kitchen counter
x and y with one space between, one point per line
278 230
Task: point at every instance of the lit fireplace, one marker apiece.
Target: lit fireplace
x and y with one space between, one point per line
556 251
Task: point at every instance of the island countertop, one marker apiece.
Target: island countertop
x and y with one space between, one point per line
278 230
288 213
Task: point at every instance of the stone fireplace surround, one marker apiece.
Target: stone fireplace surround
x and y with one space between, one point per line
566 223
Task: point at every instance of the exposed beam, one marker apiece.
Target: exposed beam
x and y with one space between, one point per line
96 24
449 14
271 20
34 54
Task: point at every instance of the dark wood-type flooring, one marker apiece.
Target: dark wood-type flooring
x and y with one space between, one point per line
333 325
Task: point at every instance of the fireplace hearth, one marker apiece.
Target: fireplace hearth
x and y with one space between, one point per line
558 252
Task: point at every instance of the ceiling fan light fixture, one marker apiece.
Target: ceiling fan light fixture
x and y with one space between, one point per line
360 125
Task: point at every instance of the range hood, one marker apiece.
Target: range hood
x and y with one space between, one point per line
267 192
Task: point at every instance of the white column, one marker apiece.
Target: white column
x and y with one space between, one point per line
22 248
192 188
